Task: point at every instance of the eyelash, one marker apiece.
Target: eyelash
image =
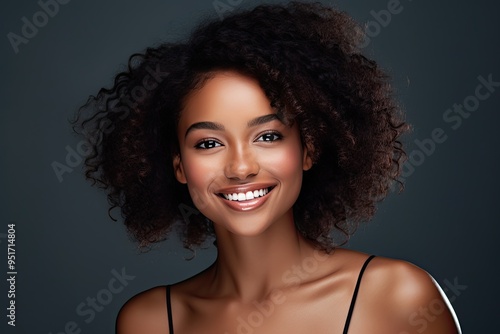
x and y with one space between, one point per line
212 142
277 136
204 142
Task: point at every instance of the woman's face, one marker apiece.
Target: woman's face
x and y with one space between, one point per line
242 165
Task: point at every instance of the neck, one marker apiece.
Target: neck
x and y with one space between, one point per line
250 267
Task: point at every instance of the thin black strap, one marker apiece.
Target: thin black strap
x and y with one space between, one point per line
169 312
353 301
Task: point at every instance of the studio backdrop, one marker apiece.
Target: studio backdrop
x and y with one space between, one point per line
68 268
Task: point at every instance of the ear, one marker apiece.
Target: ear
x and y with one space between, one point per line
179 169
306 158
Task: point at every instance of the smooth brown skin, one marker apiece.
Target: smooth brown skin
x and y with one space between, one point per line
266 275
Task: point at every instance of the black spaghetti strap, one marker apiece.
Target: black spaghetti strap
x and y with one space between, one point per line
355 294
169 312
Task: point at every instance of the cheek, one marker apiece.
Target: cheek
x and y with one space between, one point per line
200 174
287 163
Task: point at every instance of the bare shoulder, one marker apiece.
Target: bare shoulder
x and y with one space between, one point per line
399 281
410 296
403 282
146 312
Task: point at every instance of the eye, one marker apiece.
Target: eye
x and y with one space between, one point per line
270 137
207 144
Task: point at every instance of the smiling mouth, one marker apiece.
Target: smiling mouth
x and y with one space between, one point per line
246 196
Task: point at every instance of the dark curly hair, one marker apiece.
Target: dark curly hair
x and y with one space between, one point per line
306 60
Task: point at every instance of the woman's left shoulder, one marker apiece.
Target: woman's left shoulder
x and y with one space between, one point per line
399 292
402 283
407 292
400 280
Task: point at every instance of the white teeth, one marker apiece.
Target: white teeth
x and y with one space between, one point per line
246 196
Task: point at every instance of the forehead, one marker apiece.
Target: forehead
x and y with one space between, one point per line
225 98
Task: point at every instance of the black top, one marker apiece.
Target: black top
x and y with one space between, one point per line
347 321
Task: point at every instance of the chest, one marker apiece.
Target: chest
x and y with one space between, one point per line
287 314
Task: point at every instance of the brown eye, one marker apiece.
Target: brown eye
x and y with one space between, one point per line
207 144
270 137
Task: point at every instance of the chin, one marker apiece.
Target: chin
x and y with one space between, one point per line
251 225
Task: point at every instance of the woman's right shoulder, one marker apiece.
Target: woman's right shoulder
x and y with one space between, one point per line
145 312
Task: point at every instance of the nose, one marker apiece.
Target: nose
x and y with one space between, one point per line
241 164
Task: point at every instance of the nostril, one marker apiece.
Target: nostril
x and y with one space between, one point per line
241 169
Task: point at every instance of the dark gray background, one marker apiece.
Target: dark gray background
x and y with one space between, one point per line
446 221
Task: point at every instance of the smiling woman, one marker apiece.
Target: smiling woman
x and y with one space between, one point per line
284 137
232 145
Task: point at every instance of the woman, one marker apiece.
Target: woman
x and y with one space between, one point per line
269 131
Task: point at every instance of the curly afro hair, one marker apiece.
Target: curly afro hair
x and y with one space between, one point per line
307 61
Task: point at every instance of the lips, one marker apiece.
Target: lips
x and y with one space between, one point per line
244 198
247 195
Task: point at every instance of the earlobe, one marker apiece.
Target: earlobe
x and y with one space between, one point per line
306 159
179 169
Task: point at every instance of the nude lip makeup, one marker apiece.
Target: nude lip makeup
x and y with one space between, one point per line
246 201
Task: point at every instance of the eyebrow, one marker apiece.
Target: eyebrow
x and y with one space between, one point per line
219 127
